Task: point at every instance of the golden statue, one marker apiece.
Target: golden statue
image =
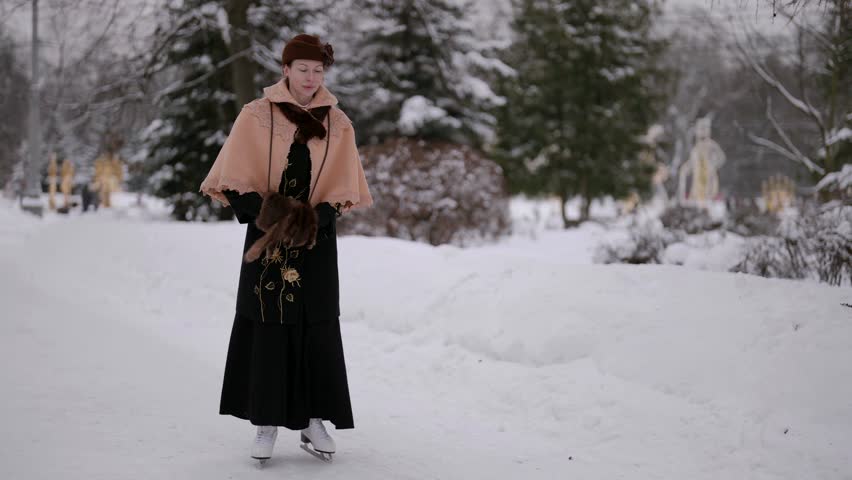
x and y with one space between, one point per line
704 162
51 181
67 181
109 174
778 193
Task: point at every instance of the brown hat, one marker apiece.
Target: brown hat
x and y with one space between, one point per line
307 47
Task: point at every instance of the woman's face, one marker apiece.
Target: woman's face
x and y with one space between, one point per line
305 76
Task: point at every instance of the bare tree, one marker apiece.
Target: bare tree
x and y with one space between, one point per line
89 88
819 91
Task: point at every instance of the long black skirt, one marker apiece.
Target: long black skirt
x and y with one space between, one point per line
285 374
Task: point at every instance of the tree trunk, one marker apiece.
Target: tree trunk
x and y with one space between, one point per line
587 201
563 199
243 68
566 222
585 208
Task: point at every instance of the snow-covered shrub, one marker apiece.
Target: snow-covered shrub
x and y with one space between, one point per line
772 257
431 192
645 243
748 220
689 219
813 245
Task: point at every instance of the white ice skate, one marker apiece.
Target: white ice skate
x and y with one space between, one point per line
321 444
263 443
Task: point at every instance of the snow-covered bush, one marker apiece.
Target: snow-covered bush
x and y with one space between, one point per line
645 243
772 257
689 219
748 220
813 245
431 192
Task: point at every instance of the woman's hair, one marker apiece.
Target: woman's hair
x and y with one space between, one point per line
307 47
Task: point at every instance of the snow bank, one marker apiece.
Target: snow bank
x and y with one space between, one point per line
520 354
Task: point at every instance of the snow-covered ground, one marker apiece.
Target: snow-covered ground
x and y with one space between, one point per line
515 360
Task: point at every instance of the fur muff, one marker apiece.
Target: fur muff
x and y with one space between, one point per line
284 219
274 207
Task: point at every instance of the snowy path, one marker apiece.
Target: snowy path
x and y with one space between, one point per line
93 397
485 363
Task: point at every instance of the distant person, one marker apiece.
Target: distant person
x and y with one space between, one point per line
86 196
288 168
89 197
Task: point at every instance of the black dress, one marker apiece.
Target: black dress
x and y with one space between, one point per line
285 360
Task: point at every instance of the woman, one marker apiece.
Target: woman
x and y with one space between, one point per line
288 169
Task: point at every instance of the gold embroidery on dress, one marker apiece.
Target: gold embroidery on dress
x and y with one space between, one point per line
265 262
291 275
281 254
275 256
281 303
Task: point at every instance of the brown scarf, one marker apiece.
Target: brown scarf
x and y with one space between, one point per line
309 123
244 164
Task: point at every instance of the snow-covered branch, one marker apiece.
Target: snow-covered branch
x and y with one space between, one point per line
816 47
839 180
783 152
770 80
791 147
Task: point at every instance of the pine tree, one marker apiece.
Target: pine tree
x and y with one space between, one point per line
217 54
415 70
191 130
585 91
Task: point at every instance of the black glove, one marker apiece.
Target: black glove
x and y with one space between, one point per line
327 216
246 206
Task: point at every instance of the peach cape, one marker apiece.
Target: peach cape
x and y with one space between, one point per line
243 162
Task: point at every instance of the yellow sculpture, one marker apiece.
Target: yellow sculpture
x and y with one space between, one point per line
51 181
778 193
67 181
109 174
704 162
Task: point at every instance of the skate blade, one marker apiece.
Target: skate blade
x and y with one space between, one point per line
325 457
261 461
